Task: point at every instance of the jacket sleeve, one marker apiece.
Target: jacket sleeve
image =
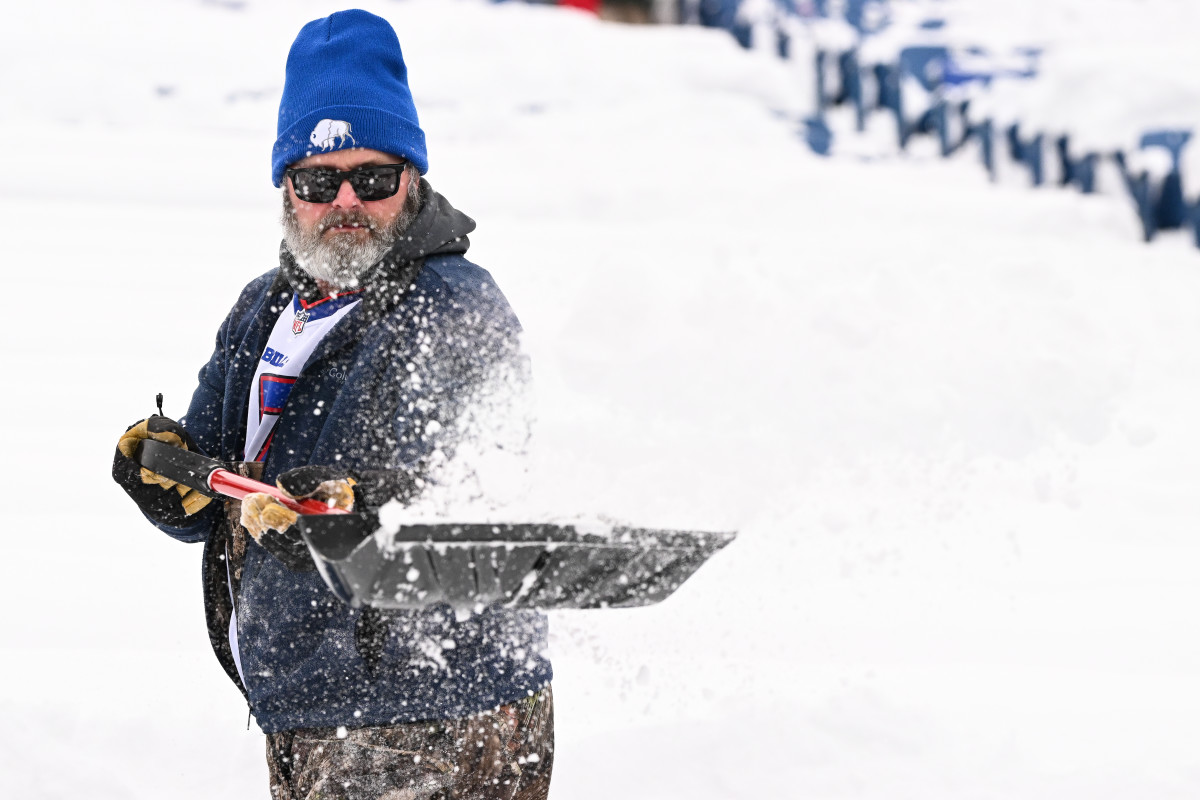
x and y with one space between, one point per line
203 423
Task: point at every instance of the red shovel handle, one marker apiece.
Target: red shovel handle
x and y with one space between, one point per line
209 476
233 485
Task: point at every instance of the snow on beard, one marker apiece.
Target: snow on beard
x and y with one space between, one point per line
343 260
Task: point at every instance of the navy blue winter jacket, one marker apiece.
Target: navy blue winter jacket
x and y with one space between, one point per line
429 330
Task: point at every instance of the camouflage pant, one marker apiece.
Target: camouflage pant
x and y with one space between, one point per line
505 754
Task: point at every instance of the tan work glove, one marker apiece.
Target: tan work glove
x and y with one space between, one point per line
171 503
273 525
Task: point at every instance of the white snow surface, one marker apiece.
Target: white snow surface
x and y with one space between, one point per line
953 423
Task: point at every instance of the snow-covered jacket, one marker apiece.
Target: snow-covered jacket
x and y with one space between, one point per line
431 326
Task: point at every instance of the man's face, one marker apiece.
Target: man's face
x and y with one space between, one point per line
337 242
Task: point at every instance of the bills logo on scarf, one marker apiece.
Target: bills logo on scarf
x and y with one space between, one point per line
301 317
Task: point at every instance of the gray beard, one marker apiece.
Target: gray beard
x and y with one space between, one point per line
343 261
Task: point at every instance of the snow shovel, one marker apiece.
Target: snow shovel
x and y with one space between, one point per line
468 566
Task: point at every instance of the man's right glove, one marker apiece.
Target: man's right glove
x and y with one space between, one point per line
273 525
161 499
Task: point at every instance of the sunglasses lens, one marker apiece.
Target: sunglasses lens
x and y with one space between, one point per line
375 183
316 185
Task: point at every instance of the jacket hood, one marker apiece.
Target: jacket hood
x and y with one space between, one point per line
438 229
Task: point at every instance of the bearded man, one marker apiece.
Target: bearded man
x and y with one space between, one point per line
344 373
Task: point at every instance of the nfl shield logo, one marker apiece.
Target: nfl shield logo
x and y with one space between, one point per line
301 318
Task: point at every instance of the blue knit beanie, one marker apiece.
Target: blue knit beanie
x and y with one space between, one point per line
346 86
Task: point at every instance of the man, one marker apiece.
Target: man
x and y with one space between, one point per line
347 374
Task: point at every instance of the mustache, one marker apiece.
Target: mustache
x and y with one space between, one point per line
336 218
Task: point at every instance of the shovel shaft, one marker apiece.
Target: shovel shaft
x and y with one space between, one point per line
230 484
209 476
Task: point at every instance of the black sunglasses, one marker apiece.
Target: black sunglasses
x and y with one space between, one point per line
370 182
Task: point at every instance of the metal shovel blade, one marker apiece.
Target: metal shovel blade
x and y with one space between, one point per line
470 566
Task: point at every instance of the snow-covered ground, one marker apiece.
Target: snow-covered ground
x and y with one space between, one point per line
955 424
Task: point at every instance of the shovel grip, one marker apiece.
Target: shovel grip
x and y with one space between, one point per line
209 476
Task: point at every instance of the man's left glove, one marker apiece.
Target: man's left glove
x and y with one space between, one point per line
273 525
161 499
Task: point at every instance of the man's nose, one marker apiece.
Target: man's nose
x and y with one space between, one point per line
346 198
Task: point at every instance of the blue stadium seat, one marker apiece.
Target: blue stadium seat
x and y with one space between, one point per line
986 133
1159 200
867 16
724 14
965 68
852 87
927 64
1170 208
1078 171
849 83
1029 152
1138 185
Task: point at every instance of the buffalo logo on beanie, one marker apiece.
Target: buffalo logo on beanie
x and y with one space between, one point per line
346 85
329 129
